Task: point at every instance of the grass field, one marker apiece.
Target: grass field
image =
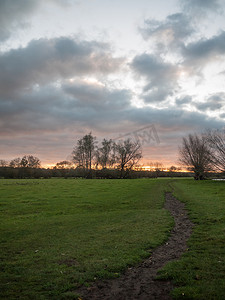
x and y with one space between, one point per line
200 273
57 234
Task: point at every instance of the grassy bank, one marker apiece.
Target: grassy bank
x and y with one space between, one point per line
57 234
200 273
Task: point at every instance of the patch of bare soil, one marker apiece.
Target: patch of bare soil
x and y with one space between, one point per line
139 282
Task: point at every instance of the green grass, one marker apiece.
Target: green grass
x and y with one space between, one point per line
57 234
200 273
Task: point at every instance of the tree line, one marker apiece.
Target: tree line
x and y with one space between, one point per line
202 155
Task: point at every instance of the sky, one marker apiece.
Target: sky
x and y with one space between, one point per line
153 69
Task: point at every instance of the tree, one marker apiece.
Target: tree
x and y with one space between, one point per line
15 163
104 154
172 169
158 168
216 141
30 161
127 154
3 163
83 152
196 155
65 164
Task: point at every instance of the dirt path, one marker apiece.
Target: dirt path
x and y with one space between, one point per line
139 282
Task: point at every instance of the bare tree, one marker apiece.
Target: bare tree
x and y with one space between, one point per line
83 152
127 154
78 154
104 154
196 155
216 140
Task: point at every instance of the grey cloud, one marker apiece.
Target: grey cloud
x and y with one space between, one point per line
50 108
16 14
213 103
77 105
171 32
54 115
97 96
201 7
13 15
47 60
174 119
209 106
205 48
184 100
161 76
199 53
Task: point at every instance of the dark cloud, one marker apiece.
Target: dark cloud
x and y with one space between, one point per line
98 96
161 76
79 104
47 60
170 32
50 118
53 108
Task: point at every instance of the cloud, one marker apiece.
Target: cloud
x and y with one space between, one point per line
184 100
48 60
51 108
200 52
13 15
54 116
201 7
222 73
161 76
83 104
177 38
212 103
171 32
97 96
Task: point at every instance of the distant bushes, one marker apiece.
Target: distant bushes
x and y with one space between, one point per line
9 172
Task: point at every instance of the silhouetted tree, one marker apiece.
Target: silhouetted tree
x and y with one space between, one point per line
3 163
65 164
84 152
196 155
127 154
30 161
15 163
105 154
172 169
